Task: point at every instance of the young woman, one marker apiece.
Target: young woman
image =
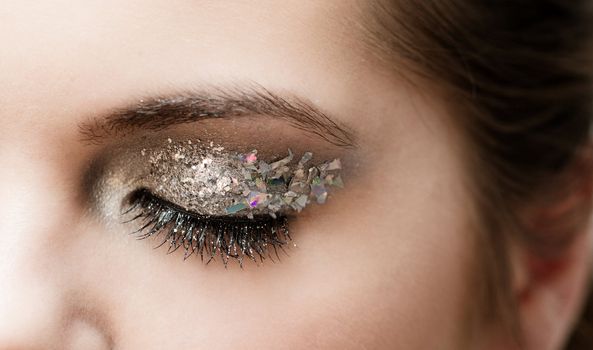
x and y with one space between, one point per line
315 174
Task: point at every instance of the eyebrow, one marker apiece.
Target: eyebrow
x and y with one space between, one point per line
160 112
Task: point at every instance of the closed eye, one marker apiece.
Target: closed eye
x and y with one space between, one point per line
229 237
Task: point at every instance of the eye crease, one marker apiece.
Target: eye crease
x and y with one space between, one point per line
212 202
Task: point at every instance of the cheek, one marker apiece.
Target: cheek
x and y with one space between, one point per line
388 278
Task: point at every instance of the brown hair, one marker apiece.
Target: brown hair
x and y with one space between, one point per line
521 75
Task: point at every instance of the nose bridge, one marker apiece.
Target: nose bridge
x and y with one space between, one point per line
35 216
37 194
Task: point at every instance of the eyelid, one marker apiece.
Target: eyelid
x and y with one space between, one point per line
210 180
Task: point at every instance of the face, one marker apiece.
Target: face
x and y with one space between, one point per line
88 91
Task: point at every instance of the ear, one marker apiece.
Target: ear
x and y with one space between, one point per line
551 266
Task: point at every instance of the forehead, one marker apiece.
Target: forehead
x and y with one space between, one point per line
98 47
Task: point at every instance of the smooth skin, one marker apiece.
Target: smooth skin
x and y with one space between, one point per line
387 263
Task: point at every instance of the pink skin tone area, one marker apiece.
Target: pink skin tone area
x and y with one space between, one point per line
389 262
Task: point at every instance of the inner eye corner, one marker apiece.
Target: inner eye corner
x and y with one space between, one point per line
132 200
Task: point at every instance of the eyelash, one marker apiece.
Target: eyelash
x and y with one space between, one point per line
230 237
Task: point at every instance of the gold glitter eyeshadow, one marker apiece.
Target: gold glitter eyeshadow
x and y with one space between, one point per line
207 179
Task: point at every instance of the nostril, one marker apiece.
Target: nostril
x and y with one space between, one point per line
86 335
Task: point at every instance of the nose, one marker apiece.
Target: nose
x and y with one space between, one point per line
31 311
36 219
30 302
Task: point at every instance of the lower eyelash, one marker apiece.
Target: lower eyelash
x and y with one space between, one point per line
208 236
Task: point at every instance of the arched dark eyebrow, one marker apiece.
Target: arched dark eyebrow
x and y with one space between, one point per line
157 113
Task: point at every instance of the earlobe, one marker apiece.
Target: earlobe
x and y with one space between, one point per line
551 267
